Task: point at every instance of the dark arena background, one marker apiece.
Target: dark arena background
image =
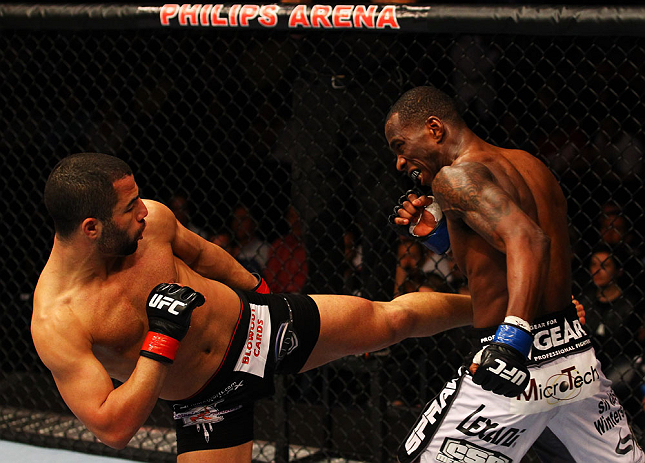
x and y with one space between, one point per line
262 127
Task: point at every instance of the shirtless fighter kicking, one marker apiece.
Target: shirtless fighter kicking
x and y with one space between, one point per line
100 312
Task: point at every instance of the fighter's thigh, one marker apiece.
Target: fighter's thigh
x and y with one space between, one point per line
349 325
238 454
466 423
597 429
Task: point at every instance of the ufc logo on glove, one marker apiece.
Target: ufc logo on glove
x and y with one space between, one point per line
512 374
502 363
159 301
166 328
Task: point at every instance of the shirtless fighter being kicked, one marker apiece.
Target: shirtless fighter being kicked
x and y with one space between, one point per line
209 343
504 216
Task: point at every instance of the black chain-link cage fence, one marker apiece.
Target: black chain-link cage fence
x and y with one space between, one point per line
282 130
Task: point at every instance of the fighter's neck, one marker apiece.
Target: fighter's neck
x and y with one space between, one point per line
469 144
79 262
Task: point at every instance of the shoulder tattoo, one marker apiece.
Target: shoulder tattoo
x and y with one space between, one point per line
471 188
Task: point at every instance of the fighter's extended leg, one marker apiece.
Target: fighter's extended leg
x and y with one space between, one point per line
353 325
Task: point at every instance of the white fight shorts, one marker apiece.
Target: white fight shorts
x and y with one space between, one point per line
568 393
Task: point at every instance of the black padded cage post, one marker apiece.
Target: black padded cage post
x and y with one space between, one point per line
276 112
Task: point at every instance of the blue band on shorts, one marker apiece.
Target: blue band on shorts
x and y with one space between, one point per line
515 337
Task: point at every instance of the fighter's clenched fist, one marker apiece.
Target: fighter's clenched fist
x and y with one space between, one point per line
419 217
169 308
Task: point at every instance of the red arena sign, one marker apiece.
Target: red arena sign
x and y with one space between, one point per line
299 16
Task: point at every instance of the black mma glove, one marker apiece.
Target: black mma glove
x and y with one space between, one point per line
437 240
502 364
169 308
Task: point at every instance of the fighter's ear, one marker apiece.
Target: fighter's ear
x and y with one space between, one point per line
436 128
92 227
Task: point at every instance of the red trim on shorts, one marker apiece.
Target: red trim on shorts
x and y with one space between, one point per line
237 325
160 344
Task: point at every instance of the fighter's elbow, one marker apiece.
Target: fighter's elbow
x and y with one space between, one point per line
542 243
537 245
117 445
533 240
115 440
116 437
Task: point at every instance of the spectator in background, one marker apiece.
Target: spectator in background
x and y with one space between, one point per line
445 267
417 374
341 173
434 283
614 226
253 252
410 275
613 315
286 268
616 323
565 149
438 264
352 268
618 150
182 208
615 230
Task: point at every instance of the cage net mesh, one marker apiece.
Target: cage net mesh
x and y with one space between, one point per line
271 144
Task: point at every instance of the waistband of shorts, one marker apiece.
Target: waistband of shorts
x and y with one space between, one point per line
235 345
554 335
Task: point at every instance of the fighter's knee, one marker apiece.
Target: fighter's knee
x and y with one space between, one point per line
399 322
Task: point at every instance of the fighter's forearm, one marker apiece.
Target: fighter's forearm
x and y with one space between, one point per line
526 275
216 264
210 260
128 406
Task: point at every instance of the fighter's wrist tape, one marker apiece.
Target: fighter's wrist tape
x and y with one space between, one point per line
433 209
517 321
515 336
438 240
159 347
262 287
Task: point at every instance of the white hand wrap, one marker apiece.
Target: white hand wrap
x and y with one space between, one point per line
433 209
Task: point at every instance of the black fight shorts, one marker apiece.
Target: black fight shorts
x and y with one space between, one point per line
275 334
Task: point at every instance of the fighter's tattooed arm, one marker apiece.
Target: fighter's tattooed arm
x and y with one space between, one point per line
472 198
469 192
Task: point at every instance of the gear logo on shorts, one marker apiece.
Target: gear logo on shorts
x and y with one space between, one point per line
457 451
